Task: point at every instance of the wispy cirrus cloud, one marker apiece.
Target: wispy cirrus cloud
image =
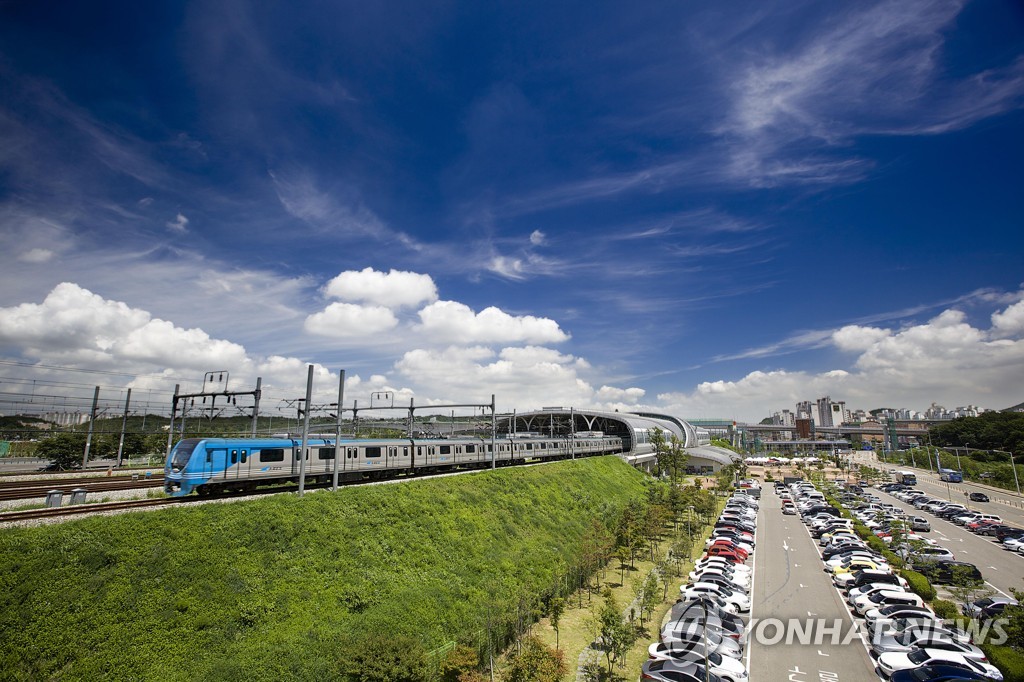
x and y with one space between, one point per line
870 70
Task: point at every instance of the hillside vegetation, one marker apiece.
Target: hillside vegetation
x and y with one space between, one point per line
290 588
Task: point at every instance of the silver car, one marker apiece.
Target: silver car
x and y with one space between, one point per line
935 638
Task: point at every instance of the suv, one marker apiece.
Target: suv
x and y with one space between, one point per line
941 570
919 523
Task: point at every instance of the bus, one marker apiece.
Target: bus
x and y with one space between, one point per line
906 478
951 476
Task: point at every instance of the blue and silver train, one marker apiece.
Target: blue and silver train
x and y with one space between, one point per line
208 465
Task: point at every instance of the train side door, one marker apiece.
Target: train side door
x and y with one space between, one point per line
239 461
217 457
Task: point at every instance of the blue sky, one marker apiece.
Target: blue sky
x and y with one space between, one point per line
709 209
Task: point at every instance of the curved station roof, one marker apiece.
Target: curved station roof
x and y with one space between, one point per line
634 429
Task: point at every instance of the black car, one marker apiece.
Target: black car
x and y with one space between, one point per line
1003 532
833 551
942 570
979 497
866 577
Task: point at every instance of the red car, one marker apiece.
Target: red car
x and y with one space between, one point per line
973 526
728 546
726 553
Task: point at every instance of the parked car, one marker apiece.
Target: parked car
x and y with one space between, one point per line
891 662
942 571
978 497
937 673
989 607
920 524
729 669
672 671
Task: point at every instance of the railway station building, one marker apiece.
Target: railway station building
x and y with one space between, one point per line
635 429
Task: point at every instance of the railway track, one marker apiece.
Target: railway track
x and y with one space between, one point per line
80 509
23 490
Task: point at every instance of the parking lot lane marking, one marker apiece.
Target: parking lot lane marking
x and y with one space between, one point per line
996 589
822 653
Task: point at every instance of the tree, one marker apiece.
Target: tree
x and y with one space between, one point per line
677 458
65 450
615 635
967 589
557 609
460 665
661 451
536 662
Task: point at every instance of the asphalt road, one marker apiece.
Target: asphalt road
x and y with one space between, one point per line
1001 569
790 583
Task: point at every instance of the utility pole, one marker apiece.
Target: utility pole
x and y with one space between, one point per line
170 429
256 406
305 432
124 424
92 425
337 441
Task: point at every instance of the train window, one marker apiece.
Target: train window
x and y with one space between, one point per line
352 454
209 456
325 453
529 446
245 456
490 448
272 455
392 452
405 451
372 451
446 449
419 451
470 449
234 456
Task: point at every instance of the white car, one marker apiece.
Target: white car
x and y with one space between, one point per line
725 563
890 662
734 601
887 598
868 590
1014 544
741 581
726 667
686 633
844 580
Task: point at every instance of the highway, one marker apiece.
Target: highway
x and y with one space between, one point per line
790 583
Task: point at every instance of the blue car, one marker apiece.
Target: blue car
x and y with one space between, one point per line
936 673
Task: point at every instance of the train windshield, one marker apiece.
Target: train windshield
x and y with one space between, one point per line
182 452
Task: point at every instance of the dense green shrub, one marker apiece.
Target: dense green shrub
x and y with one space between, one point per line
945 609
1010 661
919 584
293 588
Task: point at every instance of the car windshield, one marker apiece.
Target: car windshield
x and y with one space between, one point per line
982 603
918 656
182 452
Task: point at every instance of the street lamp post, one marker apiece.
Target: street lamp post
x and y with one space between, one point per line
960 468
1013 467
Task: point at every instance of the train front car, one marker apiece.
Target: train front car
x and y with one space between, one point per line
179 477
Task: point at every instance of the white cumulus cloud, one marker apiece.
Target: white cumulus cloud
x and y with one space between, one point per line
393 289
450 321
348 320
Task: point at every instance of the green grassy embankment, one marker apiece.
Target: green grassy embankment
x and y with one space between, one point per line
289 588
